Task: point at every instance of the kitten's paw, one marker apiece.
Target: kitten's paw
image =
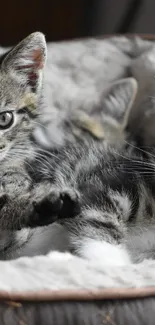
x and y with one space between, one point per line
71 203
49 205
57 204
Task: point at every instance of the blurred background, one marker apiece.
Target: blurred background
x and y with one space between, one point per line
68 19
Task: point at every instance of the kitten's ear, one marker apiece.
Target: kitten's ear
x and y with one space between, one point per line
119 100
27 59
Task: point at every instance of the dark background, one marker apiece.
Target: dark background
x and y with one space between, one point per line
68 19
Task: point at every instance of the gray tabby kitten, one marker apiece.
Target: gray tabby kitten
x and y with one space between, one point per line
21 73
100 195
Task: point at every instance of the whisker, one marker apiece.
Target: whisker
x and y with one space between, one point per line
139 149
40 124
139 162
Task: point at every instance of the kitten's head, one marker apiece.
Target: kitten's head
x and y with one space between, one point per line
21 72
108 121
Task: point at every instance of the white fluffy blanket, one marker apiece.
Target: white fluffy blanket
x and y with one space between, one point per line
105 61
59 271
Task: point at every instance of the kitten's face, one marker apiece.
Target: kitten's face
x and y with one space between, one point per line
20 83
15 121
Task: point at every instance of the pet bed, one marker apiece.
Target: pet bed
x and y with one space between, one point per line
60 288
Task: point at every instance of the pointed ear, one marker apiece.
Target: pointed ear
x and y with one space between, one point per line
27 60
119 100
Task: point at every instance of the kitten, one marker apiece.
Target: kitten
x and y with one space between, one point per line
21 74
98 193
103 190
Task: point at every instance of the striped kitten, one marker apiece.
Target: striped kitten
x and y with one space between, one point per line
21 113
101 195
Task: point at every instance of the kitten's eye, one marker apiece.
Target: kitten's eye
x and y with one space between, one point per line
6 120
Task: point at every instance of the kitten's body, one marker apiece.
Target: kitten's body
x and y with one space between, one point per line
117 200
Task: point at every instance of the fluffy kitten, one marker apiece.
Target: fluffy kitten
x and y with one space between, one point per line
103 190
21 103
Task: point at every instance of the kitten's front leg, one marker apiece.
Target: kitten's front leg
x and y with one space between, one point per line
43 205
